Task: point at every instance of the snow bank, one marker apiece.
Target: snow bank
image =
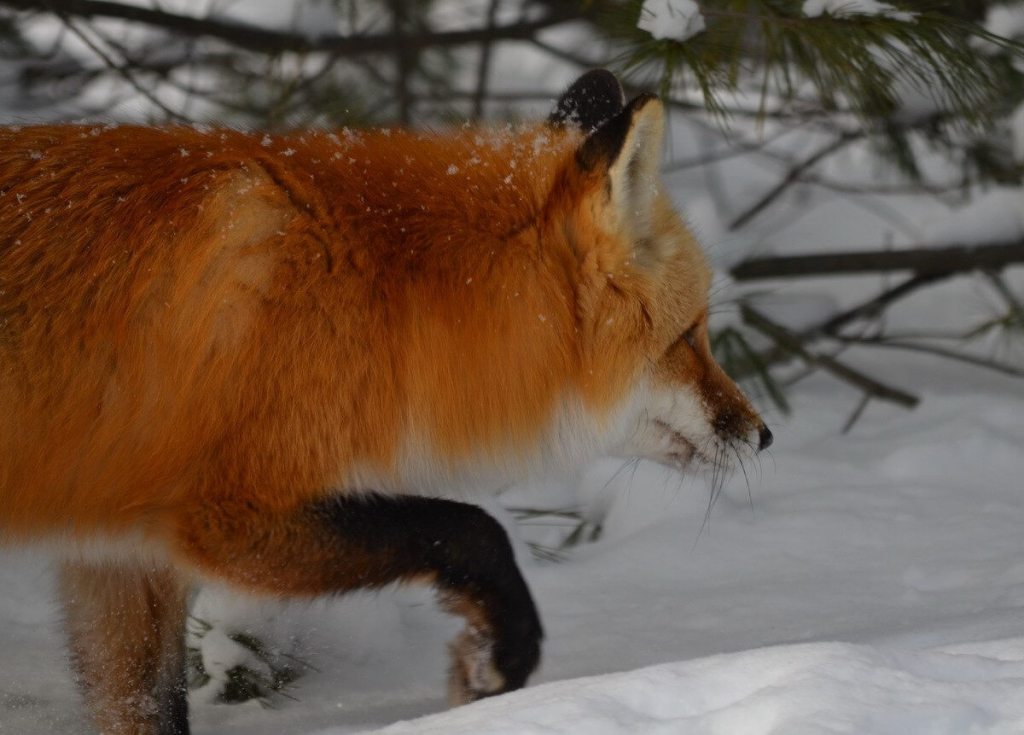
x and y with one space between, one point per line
819 688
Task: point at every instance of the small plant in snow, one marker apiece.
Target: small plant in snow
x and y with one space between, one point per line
550 532
232 667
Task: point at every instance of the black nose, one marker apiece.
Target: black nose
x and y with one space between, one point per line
766 439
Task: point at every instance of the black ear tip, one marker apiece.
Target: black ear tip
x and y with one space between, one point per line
592 100
601 81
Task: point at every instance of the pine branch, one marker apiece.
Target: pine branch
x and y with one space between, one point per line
865 61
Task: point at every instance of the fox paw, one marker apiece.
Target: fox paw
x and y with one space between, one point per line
474 674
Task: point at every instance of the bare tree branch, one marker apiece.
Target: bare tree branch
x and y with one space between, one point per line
265 40
123 70
404 61
919 260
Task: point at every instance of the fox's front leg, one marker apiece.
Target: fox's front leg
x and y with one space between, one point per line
126 630
368 540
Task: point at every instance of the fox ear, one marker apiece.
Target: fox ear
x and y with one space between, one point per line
590 102
628 148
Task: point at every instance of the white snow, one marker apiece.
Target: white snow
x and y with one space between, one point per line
677 20
1005 20
1016 122
839 8
996 216
813 687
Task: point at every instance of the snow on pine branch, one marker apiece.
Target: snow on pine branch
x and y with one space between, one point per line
674 19
680 20
838 8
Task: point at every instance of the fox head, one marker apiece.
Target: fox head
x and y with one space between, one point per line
689 409
685 408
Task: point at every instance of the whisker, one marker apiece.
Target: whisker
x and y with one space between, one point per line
635 466
615 475
717 482
754 454
746 478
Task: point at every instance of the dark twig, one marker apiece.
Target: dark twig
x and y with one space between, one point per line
857 413
484 67
875 306
404 62
920 260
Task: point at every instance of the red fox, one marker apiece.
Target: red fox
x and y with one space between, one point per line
258 359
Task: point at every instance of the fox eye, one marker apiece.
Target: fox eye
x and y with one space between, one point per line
690 335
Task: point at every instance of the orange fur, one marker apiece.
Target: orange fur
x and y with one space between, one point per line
210 308
204 332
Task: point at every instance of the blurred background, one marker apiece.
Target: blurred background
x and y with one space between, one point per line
854 169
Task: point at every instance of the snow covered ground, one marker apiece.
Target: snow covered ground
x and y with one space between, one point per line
872 582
